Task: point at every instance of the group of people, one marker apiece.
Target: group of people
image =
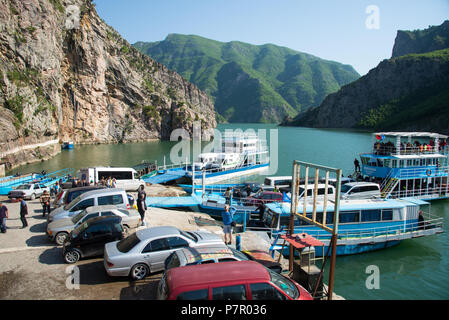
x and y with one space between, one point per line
4 214
386 148
109 182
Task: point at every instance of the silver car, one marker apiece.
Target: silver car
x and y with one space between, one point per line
146 250
29 191
58 230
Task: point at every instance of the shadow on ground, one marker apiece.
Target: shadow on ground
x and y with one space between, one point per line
38 241
52 256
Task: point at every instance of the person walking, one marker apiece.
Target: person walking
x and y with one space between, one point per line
23 212
3 216
141 204
45 202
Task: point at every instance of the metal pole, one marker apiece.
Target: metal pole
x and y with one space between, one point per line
334 235
292 214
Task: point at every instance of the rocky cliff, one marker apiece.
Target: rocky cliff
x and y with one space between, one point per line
409 92
67 75
421 41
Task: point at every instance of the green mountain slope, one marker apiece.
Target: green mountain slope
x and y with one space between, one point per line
250 83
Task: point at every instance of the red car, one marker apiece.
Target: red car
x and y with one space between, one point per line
263 197
237 280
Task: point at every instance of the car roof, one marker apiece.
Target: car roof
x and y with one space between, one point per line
86 188
207 274
156 232
103 219
352 184
202 253
100 208
100 191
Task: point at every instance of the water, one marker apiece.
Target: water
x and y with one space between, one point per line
415 269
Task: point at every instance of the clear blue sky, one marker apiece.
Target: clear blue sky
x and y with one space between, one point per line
332 29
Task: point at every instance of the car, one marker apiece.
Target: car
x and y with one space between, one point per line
360 190
58 230
263 197
246 190
145 251
237 280
89 238
191 256
29 191
113 196
65 196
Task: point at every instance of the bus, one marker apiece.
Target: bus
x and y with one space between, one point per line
127 178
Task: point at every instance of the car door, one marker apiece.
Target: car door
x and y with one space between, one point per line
37 190
155 253
96 237
81 206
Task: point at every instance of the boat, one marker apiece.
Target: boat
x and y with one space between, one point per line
364 224
67 145
408 164
240 154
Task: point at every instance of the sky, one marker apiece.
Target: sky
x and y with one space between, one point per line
356 32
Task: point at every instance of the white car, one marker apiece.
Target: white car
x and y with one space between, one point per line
29 191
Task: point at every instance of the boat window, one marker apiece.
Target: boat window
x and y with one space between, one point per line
394 163
370 215
387 214
329 217
409 163
401 163
348 216
387 163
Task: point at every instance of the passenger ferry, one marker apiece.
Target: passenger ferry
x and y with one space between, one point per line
408 164
364 225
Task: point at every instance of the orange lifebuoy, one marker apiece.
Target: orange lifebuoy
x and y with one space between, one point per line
428 172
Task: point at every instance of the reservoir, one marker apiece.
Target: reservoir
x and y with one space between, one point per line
415 269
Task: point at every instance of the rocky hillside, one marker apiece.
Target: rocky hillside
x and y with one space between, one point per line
66 75
421 41
409 92
250 83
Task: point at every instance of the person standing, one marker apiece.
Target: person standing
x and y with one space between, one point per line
23 212
45 201
356 165
227 224
141 203
114 183
3 216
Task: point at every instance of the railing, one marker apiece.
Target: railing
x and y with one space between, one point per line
410 150
430 222
435 171
440 191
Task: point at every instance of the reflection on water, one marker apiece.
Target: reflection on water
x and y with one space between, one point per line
415 269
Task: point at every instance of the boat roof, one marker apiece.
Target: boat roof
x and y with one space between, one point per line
412 134
346 205
404 156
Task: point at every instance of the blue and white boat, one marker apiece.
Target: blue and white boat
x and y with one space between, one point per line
364 225
408 164
67 145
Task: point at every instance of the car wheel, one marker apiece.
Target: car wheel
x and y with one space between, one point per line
60 238
139 271
33 196
71 256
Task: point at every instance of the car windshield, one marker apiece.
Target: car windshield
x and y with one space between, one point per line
128 243
345 188
284 284
79 216
72 203
239 255
189 235
24 187
79 229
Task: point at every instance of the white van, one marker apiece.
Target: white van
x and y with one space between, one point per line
279 182
127 178
360 190
320 194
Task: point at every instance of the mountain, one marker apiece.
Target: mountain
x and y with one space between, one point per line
409 92
421 41
67 75
250 83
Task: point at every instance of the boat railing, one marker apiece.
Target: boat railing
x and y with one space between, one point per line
440 191
430 222
173 166
409 150
422 172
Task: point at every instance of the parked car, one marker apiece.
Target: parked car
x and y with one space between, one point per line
360 190
145 251
237 280
58 230
247 190
29 191
191 256
100 197
65 196
89 238
263 197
